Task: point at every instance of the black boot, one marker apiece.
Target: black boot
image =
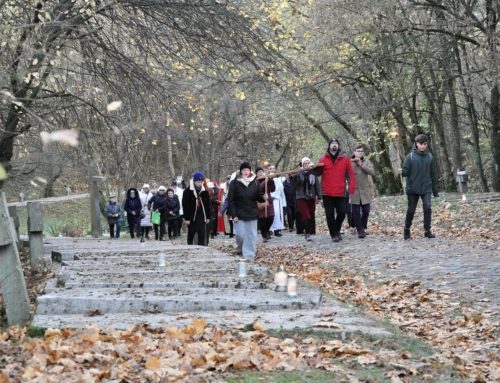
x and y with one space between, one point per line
429 234
406 233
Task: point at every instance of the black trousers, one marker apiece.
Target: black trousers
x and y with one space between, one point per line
360 215
198 227
161 228
172 227
133 224
335 211
264 224
145 231
350 215
290 214
412 206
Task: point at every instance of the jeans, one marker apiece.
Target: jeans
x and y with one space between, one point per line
360 215
246 238
335 211
112 232
412 206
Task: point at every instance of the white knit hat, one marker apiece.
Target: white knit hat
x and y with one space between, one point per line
304 160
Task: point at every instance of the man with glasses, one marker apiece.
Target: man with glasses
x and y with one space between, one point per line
336 169
420 171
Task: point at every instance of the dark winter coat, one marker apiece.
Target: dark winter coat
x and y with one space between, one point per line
420 172
196 205
133 205
243 199
159 202
289 193
307 186
172 207
271 187
214 202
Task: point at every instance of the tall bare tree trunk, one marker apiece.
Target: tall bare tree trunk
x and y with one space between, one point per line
169 156
492 21
472 116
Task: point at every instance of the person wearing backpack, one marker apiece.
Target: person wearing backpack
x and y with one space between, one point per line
420 171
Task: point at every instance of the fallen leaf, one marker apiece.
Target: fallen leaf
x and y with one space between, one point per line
93 313
152 363
325 324
258 326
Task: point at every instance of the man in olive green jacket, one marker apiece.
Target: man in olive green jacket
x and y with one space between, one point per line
420 171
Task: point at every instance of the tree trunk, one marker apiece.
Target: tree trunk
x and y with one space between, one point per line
169 157
386 181
495 136
492 20
472 116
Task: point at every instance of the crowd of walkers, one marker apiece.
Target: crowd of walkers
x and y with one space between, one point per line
266 201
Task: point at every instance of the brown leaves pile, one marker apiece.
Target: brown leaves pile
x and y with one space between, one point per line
192 353
468 339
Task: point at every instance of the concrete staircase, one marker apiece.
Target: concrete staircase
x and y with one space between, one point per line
115 284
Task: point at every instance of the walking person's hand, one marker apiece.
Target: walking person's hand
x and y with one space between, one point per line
187 222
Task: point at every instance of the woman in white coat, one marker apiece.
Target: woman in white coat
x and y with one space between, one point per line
145 195
279 203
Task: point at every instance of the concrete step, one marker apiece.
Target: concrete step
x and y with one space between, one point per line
168 268
103 251
343 322
178 283
152 261
155 300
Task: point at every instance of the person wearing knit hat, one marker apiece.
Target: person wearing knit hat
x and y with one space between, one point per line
307 192
198 176
112 211
145 224
245 165
196 207
336 171
244 193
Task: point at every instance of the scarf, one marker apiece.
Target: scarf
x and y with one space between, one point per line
246 180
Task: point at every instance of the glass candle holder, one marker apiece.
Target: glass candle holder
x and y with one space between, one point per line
280 279
162 260
242 268
291 285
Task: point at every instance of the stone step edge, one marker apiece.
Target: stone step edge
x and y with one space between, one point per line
292 320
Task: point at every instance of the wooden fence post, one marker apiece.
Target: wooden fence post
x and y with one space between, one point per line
35 233
95 210
12 284
15 218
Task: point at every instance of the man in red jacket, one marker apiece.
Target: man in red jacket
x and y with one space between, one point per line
336 169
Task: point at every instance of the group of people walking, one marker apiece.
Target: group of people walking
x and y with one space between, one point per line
257 201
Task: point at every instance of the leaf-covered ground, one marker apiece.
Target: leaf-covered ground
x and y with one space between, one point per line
475 220
464 342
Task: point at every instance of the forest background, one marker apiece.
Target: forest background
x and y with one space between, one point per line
146 90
